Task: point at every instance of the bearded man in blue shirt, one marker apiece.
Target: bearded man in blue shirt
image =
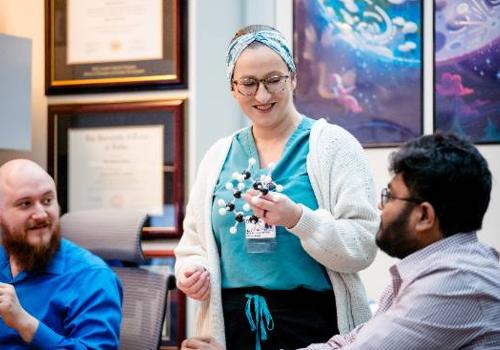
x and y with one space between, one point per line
53 293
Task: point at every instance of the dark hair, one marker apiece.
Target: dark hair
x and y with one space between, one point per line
450 173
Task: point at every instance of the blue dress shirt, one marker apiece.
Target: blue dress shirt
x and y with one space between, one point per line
77 301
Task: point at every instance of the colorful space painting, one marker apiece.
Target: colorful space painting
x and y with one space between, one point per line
359 65
467 68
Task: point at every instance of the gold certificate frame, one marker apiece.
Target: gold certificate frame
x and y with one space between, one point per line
104 46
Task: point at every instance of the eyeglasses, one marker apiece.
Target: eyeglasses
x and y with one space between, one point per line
386 196
249 86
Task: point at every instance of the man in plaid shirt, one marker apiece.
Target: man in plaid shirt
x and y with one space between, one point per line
445 292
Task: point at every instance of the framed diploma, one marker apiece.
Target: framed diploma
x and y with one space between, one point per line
99 46
120 155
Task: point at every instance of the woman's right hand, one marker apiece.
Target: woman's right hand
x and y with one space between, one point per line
201 343
194 281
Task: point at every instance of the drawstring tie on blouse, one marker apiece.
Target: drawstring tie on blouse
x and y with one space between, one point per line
263 319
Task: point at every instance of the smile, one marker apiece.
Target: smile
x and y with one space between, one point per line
39 226
265 107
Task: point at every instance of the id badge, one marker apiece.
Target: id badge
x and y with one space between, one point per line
259 236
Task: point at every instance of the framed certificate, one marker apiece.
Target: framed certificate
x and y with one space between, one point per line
98 46
120 155
116 166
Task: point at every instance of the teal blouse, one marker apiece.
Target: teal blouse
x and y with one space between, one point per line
288 266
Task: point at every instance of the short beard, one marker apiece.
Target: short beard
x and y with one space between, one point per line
32 258
395 239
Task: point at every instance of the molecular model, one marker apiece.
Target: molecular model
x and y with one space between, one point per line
264 185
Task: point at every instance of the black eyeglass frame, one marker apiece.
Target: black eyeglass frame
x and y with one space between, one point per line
386 196
263 81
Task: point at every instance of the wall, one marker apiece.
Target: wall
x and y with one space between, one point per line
212 113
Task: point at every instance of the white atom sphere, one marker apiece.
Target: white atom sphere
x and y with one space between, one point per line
229 186
241 186
251 161
246 207
236 175
222 211
232 230
279 188
221 202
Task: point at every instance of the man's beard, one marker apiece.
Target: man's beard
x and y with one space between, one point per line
32 258
394 239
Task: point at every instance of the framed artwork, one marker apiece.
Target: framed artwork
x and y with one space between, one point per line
467 69
359 65
102 46
174 327
117 155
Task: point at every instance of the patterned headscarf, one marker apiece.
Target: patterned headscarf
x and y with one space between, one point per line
272 39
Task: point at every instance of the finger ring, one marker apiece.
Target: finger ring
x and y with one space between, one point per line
264 214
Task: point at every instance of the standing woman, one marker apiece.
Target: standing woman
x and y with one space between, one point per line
300 285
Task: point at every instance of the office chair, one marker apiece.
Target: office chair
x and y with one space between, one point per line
114 235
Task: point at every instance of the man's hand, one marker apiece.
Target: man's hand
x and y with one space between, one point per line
201 343
14 315
194 281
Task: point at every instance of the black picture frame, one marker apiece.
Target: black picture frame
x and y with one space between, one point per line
168 113
167 72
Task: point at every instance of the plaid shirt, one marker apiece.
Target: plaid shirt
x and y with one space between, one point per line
445 296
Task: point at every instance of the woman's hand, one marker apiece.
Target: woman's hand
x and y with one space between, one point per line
274 208
201 343
194 281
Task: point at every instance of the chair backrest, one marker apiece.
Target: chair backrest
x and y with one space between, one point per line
115 235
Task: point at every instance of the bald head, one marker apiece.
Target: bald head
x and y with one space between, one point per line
19 174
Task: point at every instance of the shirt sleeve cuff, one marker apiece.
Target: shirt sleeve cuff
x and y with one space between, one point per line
306 224
45 338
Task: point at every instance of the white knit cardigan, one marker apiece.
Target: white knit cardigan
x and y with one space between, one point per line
339 235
